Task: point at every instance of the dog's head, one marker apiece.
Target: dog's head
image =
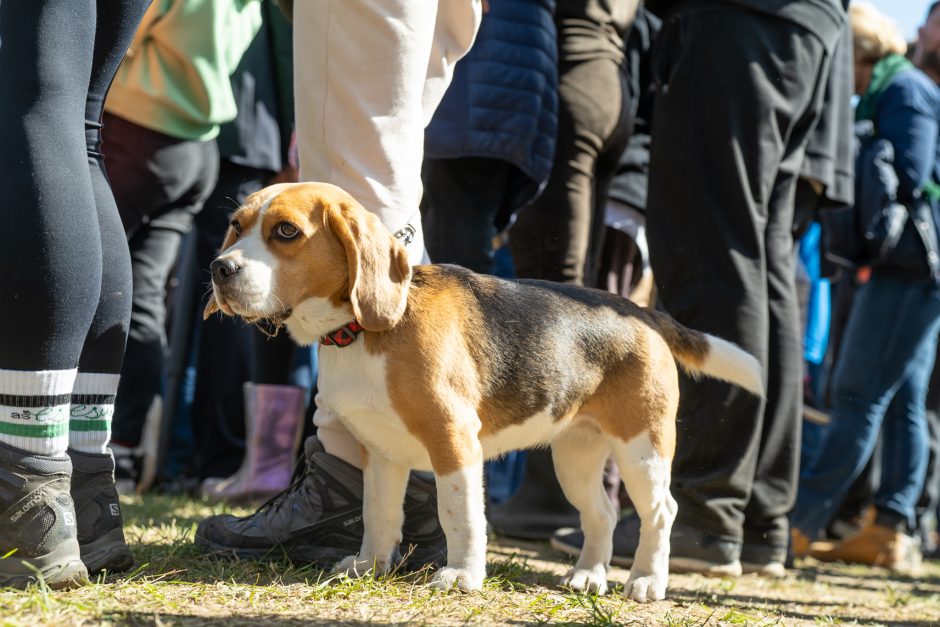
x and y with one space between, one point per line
309 256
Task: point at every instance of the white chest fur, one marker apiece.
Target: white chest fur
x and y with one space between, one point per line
353 386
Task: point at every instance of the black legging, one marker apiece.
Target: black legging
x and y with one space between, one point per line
65 272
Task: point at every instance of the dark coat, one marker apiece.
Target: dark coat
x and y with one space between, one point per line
503 103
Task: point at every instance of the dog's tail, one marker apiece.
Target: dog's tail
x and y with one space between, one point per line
703 354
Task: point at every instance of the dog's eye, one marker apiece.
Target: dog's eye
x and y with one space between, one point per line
286 230
236 227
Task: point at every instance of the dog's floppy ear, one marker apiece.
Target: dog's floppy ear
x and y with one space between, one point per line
211 307
379 270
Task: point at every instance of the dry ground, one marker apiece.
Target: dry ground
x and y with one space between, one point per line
175 585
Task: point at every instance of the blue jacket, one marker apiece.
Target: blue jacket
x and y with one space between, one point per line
908 116
502 103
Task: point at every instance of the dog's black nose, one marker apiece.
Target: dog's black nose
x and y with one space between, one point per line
223 270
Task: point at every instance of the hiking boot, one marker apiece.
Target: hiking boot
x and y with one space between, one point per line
539 507
100 526
37 522
874 545
318 519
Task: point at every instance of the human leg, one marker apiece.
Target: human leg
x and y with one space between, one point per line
888 322
766 531
52 279
708 245
462 198
218 410
159 182
551 237
905 432
367 135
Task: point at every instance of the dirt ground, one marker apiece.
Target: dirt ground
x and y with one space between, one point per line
173 584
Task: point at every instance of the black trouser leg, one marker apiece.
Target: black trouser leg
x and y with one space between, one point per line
773 491
218 410
722 177
552 237
462 199
159 183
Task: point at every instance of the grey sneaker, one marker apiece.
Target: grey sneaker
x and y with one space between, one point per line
318 519
37 522
691 550
696 551
764 553
626 538
100 526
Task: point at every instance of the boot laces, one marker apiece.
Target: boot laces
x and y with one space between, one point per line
296 490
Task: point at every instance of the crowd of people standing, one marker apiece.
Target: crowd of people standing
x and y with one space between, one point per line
684 154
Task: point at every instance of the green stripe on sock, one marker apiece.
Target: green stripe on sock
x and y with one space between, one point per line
100 424
50 430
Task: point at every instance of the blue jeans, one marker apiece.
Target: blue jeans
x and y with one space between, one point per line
881 377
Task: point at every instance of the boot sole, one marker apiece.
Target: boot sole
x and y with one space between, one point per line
702 567
109 552
770 570
575 551
320 557
60 569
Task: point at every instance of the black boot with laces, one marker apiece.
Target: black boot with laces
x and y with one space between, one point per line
318 519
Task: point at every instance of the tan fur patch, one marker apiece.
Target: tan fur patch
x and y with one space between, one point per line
440 409
640 394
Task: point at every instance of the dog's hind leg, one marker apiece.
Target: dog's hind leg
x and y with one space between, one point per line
580 454
383 495
646 473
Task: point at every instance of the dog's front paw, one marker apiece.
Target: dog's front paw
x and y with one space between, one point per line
463 579
645 588
355 567
587 579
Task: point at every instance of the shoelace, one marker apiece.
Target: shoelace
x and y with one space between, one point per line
298 477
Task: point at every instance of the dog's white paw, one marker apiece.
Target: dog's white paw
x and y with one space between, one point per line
463 579
587 579
645 588
355 567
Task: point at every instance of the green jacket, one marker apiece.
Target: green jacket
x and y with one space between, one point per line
175 77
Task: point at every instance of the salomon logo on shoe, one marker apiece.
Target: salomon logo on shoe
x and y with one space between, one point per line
115 510
38 497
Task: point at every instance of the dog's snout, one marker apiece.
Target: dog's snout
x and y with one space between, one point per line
223 269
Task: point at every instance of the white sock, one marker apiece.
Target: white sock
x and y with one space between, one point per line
92 409
34 410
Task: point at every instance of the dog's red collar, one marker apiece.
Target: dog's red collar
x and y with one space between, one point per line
343 336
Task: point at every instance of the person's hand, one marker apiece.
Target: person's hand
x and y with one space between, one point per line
486 6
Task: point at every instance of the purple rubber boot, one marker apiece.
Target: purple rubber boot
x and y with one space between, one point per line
274 417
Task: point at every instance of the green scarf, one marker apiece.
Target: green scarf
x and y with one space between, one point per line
881 76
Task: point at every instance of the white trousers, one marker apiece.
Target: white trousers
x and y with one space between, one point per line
368 75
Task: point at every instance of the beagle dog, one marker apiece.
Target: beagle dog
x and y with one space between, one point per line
436 368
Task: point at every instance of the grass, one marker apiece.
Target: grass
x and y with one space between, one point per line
173 584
